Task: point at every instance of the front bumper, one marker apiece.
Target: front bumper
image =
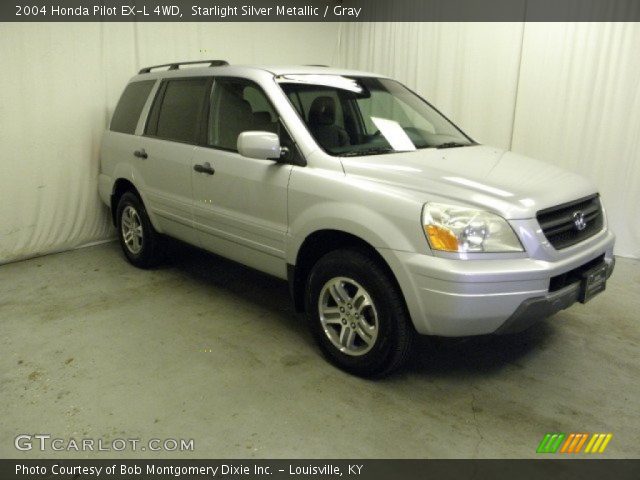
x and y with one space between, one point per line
453 297
535 309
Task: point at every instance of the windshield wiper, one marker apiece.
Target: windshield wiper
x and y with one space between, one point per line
368 151
454 144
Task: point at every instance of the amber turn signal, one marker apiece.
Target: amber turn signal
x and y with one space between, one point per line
441 238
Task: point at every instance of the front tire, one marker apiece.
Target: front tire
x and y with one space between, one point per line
357 314
138 239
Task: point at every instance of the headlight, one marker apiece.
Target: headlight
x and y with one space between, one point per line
459 229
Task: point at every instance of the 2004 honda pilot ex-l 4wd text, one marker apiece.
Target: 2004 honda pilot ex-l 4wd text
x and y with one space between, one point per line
386 219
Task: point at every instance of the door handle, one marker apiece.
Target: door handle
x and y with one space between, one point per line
140 153
204 168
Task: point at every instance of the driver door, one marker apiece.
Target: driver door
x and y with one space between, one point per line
240 204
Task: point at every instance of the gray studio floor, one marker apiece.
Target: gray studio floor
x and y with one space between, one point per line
205 349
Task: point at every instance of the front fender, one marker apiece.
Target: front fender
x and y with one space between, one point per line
364 222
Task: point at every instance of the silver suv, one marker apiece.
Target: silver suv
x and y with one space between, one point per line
385 218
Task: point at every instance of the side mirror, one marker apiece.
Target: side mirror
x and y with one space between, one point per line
260 145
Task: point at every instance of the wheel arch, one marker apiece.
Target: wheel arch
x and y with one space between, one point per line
318 244
120 187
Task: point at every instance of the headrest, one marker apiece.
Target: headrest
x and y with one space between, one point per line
244 106
323 111
262 117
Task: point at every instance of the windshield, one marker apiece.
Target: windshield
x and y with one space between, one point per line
351 116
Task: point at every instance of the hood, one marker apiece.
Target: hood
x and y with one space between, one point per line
512 185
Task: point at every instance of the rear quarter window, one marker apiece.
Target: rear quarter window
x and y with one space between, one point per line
125 117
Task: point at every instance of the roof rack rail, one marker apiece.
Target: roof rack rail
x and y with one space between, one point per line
176 65
312 65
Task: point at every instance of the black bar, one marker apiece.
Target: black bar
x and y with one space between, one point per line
320 10
566 469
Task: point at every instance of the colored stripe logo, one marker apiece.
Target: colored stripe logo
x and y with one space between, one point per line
598 443
550 443
574 443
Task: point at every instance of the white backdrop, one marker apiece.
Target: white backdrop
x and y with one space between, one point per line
566 93
59 85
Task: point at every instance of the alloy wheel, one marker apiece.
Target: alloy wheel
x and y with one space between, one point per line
348 316
132 232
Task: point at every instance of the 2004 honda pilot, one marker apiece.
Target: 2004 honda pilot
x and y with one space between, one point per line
386 219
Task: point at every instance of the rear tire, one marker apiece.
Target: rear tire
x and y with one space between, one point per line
138 239
357 314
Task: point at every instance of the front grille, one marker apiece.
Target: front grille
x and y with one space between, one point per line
559 223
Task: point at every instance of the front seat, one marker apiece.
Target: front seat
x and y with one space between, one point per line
262 122
235 116
322 123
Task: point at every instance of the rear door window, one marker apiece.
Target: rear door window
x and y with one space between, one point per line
127 113
176 114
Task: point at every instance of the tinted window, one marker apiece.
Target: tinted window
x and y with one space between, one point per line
125 118
238 106
179 113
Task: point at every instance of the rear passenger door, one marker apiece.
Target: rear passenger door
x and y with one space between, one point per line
240 204
170 136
